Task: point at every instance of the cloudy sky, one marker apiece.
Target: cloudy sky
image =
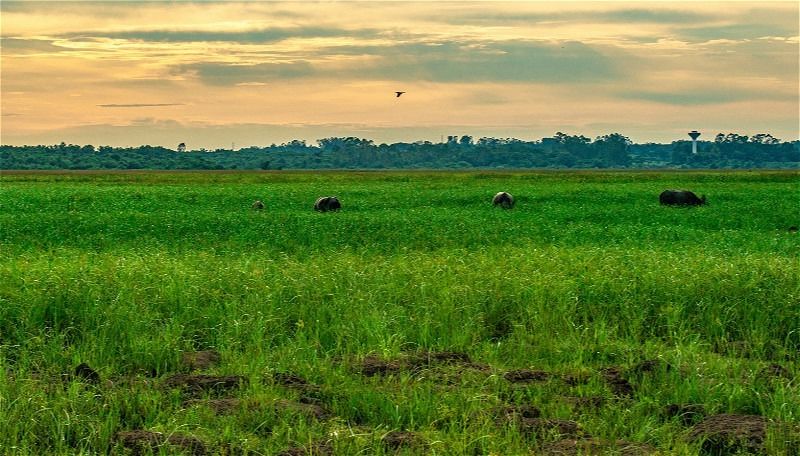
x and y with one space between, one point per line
254 73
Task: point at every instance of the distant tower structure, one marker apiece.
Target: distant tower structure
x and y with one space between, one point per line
694 134
182 147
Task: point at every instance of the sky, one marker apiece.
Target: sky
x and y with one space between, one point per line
237 74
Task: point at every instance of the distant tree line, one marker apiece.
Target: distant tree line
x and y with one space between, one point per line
560 151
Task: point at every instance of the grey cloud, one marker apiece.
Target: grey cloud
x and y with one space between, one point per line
654 16
736 31
699 97
617 16
12 45
521 61
267 35
230 74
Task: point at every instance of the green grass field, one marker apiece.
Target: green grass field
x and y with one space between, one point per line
417 320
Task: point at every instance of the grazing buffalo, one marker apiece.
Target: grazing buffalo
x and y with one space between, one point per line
504 200
327 203
681 198
258 205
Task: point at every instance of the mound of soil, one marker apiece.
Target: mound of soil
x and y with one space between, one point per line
570 447
316 449
774 372
219 406
399 439
306 409
514 412
576 378
615 379
526 376
141 442
546 426
200 360
229 405
442 357
649 366
687 414
585 402
295 382
373 365
290 380
205 383
727 433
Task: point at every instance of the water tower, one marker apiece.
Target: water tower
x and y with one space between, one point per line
694 134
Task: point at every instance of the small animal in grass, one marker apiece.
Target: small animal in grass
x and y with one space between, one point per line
327 203
85 373
680 198
504 200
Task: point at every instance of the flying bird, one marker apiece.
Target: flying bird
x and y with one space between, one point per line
398 94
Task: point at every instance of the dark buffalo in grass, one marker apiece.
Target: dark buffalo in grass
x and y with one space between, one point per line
681 198
258 205
327 203
504 200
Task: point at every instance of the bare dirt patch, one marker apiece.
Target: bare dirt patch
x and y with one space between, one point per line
725 434
514 412
373 365
415 362
200 360
290 380
306 409
615 378
195 384
219 406
441 357
585 402
570 447
142 442
230 405
295 382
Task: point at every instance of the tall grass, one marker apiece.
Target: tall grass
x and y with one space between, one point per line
126 271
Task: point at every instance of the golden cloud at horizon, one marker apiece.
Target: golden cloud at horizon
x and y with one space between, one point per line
647 70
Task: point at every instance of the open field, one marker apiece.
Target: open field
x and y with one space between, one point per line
418 320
